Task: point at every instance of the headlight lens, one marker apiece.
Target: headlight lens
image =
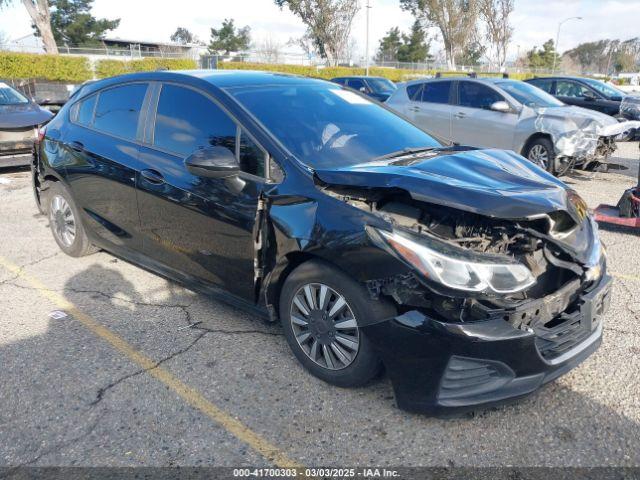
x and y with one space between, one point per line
457 273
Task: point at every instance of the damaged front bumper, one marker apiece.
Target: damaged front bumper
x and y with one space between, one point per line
442 368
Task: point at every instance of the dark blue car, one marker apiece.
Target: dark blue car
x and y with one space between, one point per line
379 88
470 276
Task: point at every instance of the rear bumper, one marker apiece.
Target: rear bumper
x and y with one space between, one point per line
17 152
444 369
15 159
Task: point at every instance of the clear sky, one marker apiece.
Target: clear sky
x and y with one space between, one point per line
535 21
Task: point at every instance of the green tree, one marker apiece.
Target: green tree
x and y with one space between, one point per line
228 39
183 36
472 54
543 59
74 25
40 15
389 46
456 20
415 46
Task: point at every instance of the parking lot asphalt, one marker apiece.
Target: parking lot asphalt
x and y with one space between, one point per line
123 380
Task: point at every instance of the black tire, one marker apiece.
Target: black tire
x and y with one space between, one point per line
80 244
546 145
366 364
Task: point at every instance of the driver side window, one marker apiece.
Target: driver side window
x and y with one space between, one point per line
570 89
477 95
187 120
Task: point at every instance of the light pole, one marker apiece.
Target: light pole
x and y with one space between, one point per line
366 48
555 57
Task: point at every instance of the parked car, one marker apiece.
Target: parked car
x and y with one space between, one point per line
472 276
508 114
379 88
588 93
19 122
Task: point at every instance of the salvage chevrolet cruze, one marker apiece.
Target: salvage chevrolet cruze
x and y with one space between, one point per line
471 276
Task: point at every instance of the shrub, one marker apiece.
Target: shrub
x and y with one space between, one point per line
44 67
110 68
393 74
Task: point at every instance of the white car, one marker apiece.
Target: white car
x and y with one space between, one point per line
511 115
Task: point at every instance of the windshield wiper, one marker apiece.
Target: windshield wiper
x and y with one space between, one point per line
405 151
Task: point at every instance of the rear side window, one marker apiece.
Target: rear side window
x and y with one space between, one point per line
118 110
414 91
436 92
187 120
477 95
544 84
84 111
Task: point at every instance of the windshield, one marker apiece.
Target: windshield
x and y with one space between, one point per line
529 95
607 90
8 96
381 85
326 126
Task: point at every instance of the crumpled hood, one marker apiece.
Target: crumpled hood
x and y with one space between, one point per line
494 183
578 115
25 115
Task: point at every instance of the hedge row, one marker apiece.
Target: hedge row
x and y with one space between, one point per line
394 74
46 67
78 69
110 68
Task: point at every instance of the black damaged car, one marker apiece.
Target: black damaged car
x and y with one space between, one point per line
471 276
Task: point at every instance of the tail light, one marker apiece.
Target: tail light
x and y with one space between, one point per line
42 131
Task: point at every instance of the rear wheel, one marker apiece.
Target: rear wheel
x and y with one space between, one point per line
65 223
321 310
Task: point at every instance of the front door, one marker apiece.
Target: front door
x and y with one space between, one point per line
201 227
475 124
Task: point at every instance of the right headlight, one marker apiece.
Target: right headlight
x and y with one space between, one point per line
460 273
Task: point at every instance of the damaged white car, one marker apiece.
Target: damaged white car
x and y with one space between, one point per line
512 115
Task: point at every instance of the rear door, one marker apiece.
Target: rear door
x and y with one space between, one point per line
475 124
101 150
199 227
430 107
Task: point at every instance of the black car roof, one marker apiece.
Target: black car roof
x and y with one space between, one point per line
222 79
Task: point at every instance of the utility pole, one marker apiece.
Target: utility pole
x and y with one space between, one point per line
557 49
366 48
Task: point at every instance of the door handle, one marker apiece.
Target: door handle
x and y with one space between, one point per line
460 115
76 146
414 109
152 176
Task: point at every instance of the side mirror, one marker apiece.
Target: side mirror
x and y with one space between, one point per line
589 96
213 162
363 89
501 106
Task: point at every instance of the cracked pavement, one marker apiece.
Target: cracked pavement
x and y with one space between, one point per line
69 399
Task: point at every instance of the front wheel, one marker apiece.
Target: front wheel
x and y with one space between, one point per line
542 153
321 310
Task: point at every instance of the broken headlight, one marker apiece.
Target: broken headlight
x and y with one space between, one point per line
457 272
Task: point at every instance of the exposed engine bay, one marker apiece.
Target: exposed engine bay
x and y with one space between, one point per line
537 243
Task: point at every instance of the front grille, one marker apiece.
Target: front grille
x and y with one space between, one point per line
561 334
